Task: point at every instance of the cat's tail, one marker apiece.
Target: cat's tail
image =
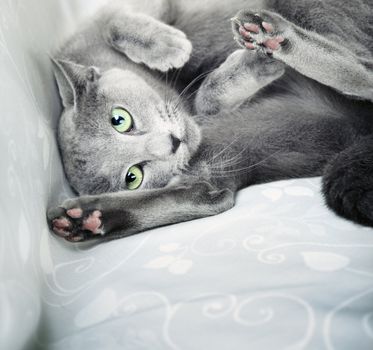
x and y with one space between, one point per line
348 182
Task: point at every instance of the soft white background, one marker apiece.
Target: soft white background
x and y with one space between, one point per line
279 271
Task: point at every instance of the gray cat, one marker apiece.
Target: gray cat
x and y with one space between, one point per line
289 96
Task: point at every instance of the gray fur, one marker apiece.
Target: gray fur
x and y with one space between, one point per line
257 118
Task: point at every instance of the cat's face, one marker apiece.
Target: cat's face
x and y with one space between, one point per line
117 132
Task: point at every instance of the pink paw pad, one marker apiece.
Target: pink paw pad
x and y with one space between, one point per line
61 226
75 213
251 27
268 27
250 46
273 44
244 32
93 223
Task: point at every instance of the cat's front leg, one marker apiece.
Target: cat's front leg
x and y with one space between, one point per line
147 40
121 214
313 55
241 75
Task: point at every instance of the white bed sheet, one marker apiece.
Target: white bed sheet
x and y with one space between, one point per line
278 271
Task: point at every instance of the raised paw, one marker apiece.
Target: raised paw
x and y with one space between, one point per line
158 45
263 31
75 224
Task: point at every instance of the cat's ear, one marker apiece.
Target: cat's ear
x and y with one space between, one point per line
73 80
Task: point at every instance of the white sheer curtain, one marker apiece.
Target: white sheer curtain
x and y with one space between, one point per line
30 169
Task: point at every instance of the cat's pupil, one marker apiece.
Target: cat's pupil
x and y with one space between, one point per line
130 177
117 120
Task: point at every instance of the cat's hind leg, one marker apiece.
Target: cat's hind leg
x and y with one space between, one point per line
313 55
348 182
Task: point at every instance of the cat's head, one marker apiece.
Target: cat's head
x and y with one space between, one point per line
119 132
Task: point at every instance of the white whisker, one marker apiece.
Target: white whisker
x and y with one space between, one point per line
227 173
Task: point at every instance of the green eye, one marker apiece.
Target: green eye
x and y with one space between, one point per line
121 120
134 177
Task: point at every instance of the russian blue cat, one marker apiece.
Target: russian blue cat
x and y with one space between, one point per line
167 113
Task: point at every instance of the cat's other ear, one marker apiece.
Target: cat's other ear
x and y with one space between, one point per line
73 80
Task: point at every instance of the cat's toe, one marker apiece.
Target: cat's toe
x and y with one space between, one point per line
246 35
62 227
93 223
58 222
268 27
251 27
172 52
75 213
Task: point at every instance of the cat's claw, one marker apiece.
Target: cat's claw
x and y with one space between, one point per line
74 224
259 31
